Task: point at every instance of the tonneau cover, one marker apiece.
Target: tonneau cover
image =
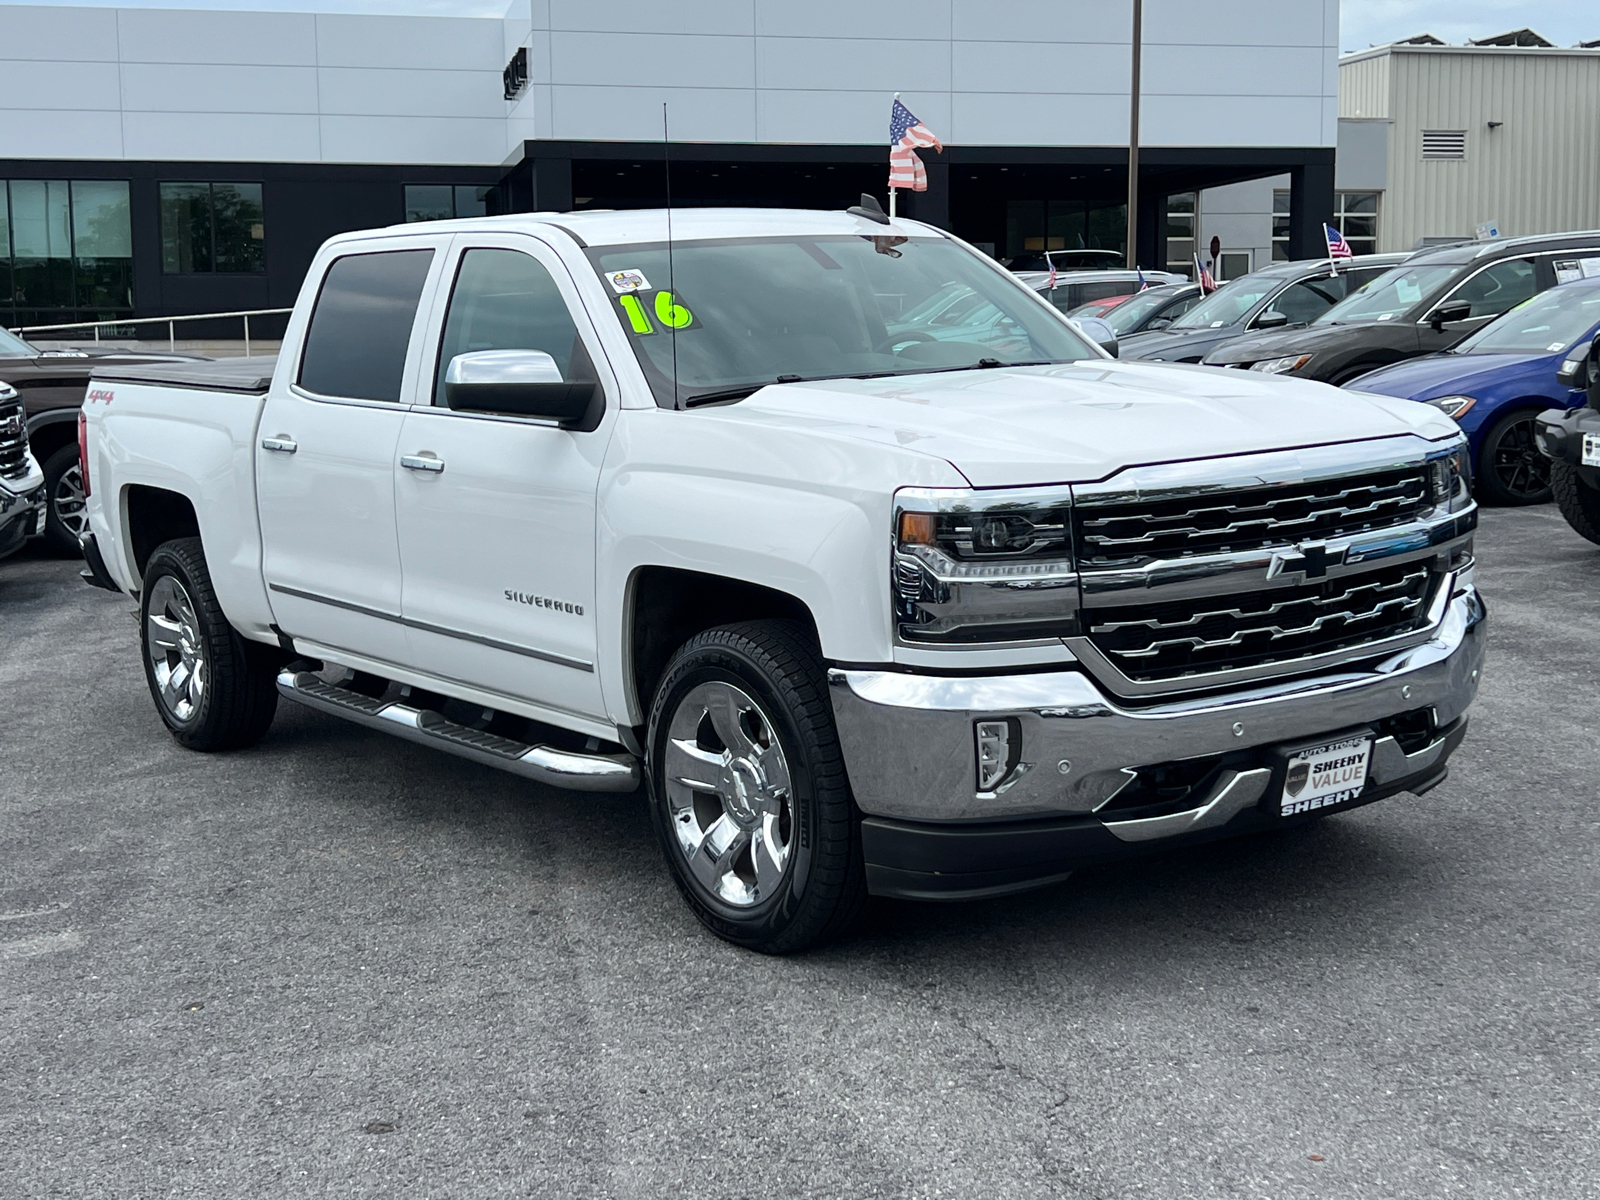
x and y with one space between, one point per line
249 375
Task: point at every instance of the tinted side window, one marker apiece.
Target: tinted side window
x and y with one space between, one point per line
506 300
356 345
1500 288
1309 299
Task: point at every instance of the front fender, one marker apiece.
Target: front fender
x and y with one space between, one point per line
806 514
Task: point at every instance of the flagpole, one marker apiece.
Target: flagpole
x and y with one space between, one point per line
892 188
1133 139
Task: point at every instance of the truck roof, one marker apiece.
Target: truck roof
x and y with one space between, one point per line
643 225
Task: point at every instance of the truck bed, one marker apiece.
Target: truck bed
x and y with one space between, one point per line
248 376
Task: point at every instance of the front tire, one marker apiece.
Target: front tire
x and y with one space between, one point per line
748 791
66 506
1579 503
1511 471
213 689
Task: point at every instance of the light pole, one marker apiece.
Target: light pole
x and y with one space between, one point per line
1133 137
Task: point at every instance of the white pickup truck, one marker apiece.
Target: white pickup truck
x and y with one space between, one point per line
877 573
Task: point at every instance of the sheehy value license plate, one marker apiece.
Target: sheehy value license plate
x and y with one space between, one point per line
1591 449
1326 775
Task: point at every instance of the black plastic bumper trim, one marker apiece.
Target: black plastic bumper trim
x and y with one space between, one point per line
95 573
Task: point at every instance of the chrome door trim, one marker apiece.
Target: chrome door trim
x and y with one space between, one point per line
281 444
422 462
559 660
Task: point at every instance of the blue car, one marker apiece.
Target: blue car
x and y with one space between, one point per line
1497 381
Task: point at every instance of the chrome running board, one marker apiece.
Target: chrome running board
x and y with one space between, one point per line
558 768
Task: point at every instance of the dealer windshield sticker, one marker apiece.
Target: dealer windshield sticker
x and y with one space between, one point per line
1326 775
623 282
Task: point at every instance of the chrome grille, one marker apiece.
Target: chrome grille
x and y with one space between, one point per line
1199 636
1127 534
13 439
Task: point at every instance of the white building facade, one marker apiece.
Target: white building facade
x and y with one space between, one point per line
234 142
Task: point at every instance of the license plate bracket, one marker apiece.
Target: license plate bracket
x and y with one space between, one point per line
1320 774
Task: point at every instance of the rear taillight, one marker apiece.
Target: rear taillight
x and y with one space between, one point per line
83 449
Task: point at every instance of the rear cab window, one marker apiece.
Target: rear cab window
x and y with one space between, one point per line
361 326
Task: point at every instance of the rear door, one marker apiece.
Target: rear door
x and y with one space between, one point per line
325 455
497 513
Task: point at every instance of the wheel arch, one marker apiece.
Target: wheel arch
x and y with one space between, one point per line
49 431
666 606
153 515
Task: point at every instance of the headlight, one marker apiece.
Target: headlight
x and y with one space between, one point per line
1453 406
1281 366
1450 479
983 567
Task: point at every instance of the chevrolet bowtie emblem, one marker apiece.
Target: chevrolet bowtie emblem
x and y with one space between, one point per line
1308 558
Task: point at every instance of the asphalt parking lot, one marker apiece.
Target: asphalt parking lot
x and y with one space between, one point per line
338 964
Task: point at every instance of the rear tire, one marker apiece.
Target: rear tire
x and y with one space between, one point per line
748 791
213 689
1510 469
1579 503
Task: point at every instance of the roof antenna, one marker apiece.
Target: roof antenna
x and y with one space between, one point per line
672 287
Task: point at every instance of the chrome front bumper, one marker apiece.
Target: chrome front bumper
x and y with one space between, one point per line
909 740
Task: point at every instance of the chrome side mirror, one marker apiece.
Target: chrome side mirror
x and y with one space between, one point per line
524 383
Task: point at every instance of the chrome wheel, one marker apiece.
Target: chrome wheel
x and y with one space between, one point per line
69 502
728 793
173 642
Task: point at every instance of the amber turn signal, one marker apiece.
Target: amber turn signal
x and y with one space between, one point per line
917 529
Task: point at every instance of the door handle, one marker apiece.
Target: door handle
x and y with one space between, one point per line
282 445
422 462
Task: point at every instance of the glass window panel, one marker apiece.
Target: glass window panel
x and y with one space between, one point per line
1280 200
5 221
1358 226
185 227
429 202
40 225
100 224
1501 287
1183 203
1108 227
506 300
1025 226
1359 202
361 327
239 226
470 201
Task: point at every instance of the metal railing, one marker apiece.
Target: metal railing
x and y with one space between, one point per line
169 322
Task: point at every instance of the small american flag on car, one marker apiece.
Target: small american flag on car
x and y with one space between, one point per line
1337 247
906 136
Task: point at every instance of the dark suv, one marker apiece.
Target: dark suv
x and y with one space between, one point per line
1429 304
52 384
1275 297
1570 438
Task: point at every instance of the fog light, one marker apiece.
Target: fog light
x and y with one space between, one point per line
998 746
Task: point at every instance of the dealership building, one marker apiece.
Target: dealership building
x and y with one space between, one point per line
165 161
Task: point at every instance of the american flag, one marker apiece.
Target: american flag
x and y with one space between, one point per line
1052 272
1337 247
1202 275
906 136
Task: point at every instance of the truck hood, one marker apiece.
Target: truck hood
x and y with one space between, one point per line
1084 421
1436 375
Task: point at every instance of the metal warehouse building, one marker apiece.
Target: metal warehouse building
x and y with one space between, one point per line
1504 132
168 161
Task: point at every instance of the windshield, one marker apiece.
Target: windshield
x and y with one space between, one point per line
1134 309
754 311
1549 322
11 346
1391 294
1229 303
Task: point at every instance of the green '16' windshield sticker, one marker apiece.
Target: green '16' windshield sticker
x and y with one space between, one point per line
668 311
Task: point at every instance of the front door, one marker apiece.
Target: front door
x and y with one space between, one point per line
1496 289
497 514
325 460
